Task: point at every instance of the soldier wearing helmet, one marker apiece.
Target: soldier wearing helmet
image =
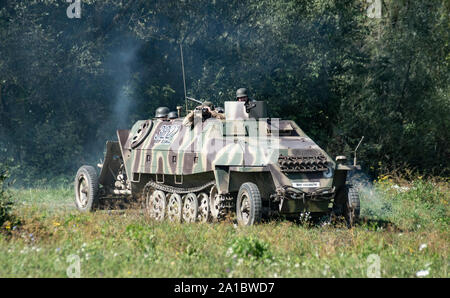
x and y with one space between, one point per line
161 113
241 95
208 111
172 115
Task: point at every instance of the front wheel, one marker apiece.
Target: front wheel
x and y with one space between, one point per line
86 189
352 206
249 205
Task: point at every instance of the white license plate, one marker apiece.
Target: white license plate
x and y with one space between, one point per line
306 184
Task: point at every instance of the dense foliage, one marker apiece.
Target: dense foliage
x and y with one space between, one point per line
67 84
5 200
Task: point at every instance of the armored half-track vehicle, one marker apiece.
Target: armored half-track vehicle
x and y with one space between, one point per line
241 163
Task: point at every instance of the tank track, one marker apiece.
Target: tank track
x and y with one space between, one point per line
226 203
177 190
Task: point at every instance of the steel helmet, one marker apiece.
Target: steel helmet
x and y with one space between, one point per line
241 92
172 115
161 112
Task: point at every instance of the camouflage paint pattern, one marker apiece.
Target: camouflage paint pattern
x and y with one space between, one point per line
238 144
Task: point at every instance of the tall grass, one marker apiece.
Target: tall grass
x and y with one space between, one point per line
407 228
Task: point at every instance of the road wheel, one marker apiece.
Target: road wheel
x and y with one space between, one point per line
203 209
174 208
156 205
249 205
216 205
86 189
190 208
352 206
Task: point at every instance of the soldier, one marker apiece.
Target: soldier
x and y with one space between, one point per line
241 95
208 111
161 113
172 115
219 110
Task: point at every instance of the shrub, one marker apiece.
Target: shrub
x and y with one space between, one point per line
249 247
409 205
5 200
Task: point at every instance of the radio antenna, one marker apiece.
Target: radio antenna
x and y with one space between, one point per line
184 79
356 149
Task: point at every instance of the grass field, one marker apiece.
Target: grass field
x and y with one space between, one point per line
404 227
